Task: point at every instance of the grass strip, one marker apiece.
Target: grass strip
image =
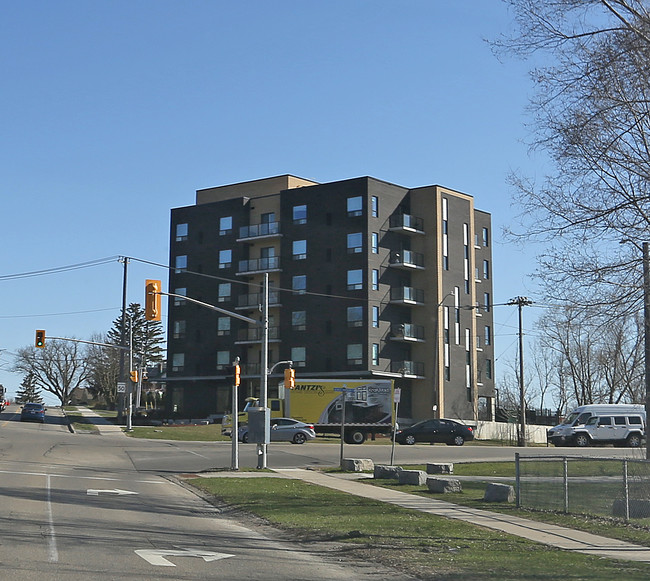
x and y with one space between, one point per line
426 546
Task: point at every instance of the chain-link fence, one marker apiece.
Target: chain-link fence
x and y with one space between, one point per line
611 487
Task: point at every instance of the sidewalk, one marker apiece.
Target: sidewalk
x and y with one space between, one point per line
547 534
102 424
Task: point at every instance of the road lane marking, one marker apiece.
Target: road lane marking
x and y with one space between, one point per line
53 553
22 473
157 557
95 492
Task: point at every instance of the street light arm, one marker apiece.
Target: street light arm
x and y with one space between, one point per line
287 362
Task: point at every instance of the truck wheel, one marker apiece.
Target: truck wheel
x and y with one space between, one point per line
634 441
355 437
299 438
582 440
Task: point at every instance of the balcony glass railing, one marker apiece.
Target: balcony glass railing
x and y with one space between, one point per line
255 299
259 264
408 367
408 331
407 222
256 230
254 334
407 258
407 294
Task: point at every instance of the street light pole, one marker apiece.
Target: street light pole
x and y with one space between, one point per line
262 448
646 330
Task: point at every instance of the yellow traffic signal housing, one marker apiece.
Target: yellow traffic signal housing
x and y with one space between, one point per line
40 339
152 300
237 375
134 376
289 378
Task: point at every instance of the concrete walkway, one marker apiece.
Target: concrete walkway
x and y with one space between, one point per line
548 534
102 424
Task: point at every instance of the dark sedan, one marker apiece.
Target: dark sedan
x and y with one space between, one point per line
33 412
447 432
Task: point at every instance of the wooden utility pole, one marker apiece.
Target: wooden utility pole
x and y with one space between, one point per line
521 302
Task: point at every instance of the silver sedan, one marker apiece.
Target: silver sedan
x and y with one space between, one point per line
285 430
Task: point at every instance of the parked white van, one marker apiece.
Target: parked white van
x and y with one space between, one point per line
564 433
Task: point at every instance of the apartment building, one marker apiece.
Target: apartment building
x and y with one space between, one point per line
367 279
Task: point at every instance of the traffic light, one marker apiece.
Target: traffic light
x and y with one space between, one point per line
152 300
237 369
134 376
40 339
289 378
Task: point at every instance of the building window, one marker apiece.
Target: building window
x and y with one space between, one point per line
299 356
488 368
375 317
355 316
355 242
225 292
375 279
181 232
223 326
375 353
374 238
181 263
486 269
355 354
299 284
299 320
177 300
300 214
486 237
179 329
225 258
355 279
225 225
374 201
223 360
299 249
355 206
486 302
488 335
178 361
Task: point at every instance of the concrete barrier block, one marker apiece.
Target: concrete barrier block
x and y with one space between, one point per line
443 485
357 464
437 468
497 492
415 477
383 471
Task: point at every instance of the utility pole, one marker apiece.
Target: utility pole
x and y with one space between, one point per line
521 302
646 327
121 376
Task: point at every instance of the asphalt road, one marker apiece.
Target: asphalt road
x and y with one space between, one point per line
78 506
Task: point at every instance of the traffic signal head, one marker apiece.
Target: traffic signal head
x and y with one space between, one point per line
134 376
237 375
40 339
290 378
152 300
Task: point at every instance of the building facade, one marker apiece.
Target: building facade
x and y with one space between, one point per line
367 279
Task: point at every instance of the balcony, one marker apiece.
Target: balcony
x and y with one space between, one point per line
254 335
406 295
254 300
407 260
407 332
408 368
406 224
254 231
259 265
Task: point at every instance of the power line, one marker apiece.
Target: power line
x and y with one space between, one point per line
59 269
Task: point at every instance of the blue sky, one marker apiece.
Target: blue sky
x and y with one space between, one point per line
114 112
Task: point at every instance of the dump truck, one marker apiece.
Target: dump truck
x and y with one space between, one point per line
368 407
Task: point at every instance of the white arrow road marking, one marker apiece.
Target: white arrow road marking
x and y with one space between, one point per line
157 557
95 492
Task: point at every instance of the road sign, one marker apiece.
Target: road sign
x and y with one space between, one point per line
121 387
157 557
397 394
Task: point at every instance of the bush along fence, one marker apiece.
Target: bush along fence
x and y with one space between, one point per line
610 487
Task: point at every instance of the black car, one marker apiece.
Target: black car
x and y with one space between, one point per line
442 431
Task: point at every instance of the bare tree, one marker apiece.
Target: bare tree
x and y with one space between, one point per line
592 117
58 368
